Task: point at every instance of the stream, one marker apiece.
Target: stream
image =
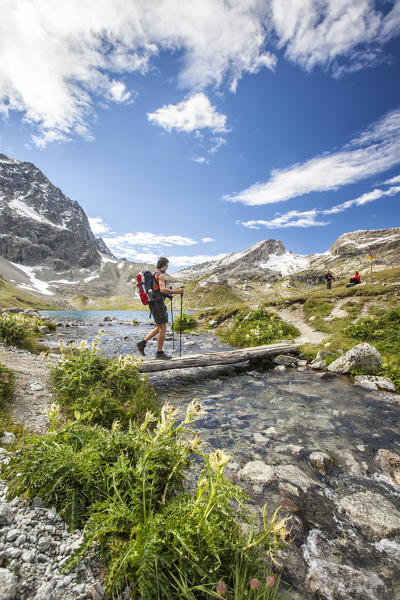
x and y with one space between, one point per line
322 448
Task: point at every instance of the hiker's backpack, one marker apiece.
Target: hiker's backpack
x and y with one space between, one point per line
146 283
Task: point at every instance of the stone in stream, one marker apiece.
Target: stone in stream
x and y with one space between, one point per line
257 470
373 382
362 357
389 464
330 581
375 516
283 359
321 462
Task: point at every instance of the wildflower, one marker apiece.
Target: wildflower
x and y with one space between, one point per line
218 459
221 587
270 581
254 583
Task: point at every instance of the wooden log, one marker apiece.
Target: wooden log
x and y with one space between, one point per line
217 358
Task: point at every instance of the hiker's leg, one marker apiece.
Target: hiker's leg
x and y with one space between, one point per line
152 334
161 336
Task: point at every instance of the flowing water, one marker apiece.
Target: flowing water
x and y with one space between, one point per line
345 514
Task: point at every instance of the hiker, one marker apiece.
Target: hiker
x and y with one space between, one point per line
159 310
328 279
355 280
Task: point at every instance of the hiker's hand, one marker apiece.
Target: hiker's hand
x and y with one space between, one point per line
180 291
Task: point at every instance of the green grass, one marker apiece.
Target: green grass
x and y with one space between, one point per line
11 296
184 323
258 327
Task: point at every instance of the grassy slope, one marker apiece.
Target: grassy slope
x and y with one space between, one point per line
11 296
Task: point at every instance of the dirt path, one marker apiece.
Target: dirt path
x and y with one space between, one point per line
32 396
308 335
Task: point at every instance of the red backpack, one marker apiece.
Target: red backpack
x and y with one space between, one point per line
146 283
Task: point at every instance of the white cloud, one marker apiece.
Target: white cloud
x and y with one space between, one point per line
189 115
56 62
345 35
309 218
122 244
205 240
374 151
393 180
200 159
98 226
292 218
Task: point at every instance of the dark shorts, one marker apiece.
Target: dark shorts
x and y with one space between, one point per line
159 311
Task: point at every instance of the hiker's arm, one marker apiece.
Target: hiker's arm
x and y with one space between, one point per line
165 290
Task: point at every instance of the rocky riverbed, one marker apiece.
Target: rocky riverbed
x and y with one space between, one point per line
323 449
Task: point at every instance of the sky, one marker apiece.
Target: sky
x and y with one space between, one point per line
195 129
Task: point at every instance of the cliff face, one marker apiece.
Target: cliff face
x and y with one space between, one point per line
39 225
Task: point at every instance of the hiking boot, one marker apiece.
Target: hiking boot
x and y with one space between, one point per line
162 356
141 346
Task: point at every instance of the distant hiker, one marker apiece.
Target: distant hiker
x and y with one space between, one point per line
328 279
355 280
159 310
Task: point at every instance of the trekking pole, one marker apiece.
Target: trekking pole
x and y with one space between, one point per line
180 329
172 327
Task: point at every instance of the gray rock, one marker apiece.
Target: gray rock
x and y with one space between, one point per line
362 357
7 438
96 591
6 514
283 359
296 477
257 470
389 464
280 368
373 382
8 585
37 503
44 543
301 363
45 592
330 581
321 462
318 365
373 514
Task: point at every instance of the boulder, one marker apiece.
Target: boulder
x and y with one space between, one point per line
389 464
296 477
283 359
362 357
280 368
373 514
373 382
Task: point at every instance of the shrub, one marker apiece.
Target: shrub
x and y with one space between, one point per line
128 490
184 323
17 328
257 328
96 389
7 378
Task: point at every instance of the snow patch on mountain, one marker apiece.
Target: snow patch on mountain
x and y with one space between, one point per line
26 211
285 264
37 285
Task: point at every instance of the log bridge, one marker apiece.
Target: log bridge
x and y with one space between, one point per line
217 358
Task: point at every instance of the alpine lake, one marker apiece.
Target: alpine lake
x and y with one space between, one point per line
297 440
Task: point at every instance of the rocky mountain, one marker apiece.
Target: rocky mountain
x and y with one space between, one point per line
46 244
268 263
39 225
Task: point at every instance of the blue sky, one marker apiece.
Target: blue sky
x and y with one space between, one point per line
194 129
